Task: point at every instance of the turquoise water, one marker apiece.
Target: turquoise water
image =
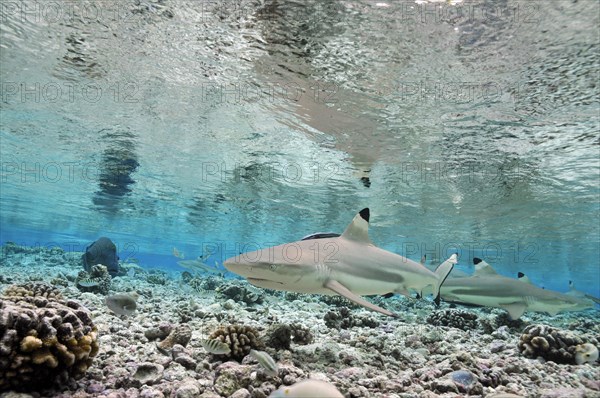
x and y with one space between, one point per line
469 127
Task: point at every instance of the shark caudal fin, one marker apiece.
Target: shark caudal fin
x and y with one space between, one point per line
442 272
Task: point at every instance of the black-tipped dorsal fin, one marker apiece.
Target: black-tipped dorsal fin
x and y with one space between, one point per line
483 268
358 230
524 278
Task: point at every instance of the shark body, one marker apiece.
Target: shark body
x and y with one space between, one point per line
349 265
487 288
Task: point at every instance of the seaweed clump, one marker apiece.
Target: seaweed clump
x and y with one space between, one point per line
551 344
454 318
240 338
44 340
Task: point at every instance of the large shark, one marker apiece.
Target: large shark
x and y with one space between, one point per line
487 288
349 265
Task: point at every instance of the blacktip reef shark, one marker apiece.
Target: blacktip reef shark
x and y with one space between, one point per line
348 265
487 288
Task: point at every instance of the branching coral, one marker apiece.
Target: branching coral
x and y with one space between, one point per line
551 344
241 340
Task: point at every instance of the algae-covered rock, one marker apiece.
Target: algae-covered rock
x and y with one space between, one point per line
231 377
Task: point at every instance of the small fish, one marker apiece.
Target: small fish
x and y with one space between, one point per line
215 346
89 282
122 303
266 362
178 254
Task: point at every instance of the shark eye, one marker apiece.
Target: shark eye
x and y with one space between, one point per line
273 267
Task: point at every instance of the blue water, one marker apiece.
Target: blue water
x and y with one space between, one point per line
241 127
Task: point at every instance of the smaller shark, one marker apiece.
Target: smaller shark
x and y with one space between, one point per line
200 266
349 265
487 288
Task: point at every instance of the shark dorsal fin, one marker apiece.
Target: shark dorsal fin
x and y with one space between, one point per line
358 230
423 259
482 268
524 278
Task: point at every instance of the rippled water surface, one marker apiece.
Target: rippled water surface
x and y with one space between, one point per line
463 126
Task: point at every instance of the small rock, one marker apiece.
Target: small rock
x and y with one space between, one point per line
497 346
231 377
229 304
186 361
501 333
187 390
159 332
423 351
150 393
289 380
180 335
241 393
148 373
444 385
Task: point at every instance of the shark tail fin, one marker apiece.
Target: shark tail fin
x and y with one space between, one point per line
442 272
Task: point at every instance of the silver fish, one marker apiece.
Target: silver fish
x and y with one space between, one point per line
266 362
215 346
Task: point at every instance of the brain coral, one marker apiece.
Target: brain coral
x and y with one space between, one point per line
44 340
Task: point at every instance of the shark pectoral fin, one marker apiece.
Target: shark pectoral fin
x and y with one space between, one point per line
515 310
442 272
552 312
343 291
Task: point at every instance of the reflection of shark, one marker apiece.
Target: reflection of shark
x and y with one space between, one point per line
487 288
348 265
